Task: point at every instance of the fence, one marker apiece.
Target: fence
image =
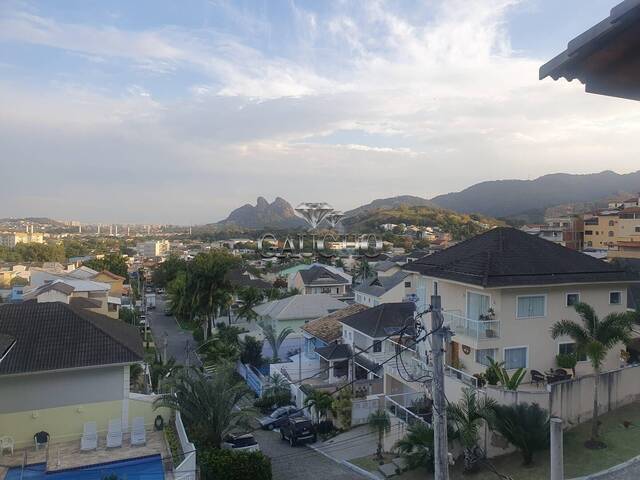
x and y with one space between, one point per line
187 468
361 409
253 377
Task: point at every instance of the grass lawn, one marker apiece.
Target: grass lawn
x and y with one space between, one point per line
622 444
370 463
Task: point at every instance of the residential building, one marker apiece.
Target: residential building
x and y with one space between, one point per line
617 231
153 248
62 366
11 239
321 279
296 310
374 291
503 290
240 278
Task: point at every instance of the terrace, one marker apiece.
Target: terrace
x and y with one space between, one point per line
67 455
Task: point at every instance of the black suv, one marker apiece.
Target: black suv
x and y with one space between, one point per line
298 430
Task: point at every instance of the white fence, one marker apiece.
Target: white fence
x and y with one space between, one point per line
361 409
187 468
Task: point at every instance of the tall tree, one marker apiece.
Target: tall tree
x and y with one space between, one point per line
417 446
595 338
380 422
250 297
274 339
210 406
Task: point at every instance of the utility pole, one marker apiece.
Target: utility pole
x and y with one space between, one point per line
557 466
439 338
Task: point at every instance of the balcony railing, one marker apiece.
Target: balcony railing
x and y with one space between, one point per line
476 329
409 363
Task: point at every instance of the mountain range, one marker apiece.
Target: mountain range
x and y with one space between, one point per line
524 200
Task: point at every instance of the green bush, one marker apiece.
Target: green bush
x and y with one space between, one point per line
269 402
198 335
216 464
567 360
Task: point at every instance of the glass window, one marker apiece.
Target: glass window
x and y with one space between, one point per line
515 358
407 284
531 306
377 346
615 298
483 356
569 348
572 299
477 305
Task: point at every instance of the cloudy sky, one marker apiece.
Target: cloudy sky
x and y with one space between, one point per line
178 111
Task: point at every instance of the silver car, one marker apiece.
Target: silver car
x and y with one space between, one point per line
279 417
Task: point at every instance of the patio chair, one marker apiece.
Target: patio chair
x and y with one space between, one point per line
89 439
114 433
40 439
138 433
562 374
537 378
6 443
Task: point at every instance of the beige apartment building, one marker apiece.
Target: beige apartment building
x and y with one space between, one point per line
11 239
611 229
503 290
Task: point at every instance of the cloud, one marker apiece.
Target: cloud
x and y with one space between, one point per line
364 101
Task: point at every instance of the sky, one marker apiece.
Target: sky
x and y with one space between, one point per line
178 112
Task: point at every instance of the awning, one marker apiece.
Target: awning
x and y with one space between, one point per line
605 58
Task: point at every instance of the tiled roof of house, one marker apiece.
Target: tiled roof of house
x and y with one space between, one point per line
335 351
82 273
319 275
328 328
382 320
505 257
55 336
299 307
381 285
84 302
384 265
111 275
240 278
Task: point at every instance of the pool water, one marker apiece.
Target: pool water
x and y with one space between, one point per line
145 468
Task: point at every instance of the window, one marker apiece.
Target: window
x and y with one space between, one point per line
407 284
637 229
611 234
325 290
531 306
483 356
615 298
377 346
568 348
588 232
572 299
477 305
515 357
611 223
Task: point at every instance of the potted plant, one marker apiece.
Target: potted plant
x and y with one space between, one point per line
489 317
567 360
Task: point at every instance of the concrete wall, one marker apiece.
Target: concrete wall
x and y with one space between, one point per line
50 390
573 400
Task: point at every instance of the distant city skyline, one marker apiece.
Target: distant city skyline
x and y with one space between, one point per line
159 112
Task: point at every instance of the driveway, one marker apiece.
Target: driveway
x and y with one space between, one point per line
300 463
179 342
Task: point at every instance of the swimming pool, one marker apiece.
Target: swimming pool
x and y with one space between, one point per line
144 468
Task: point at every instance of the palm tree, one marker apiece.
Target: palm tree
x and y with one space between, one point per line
364 271
525 426
417 446
379 421
209 406
250 298
595 338
276 384
320 401
468 415
275 339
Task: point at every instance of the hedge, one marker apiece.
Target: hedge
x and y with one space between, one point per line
218 464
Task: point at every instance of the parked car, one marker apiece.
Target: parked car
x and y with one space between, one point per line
298 430
241 443
279 417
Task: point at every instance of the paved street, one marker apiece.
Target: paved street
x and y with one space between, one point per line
296 463
179 341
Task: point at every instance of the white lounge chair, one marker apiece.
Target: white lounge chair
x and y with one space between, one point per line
6 443
114 434
138 433
89 440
